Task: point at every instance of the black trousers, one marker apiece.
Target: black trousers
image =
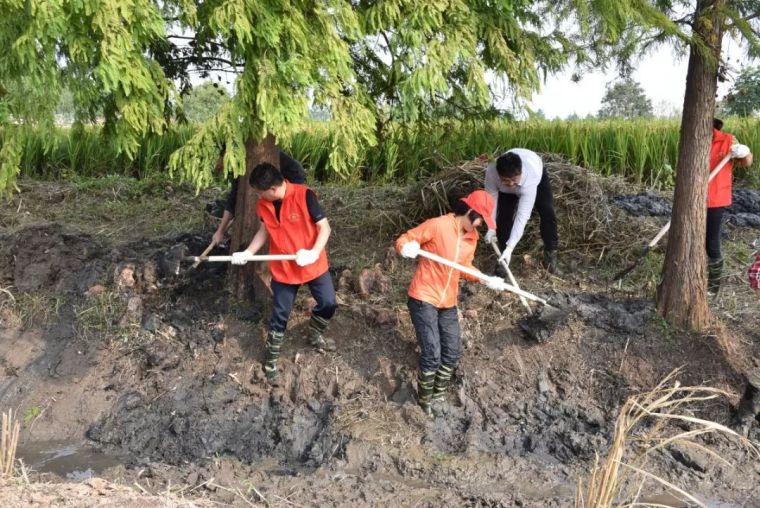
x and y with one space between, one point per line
714 229
507 206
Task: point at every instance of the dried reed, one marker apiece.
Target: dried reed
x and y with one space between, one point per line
642 428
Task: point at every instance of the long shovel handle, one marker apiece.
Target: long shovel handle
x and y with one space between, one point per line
512 280
717 169
477 274
227 259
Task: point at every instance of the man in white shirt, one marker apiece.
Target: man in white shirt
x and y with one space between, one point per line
517 181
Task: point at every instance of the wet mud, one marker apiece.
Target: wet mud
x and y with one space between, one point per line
175 390
744 210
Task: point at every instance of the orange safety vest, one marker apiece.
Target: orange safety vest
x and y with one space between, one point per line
433 282
719 190
294 231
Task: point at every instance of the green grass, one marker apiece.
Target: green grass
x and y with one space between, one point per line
643 151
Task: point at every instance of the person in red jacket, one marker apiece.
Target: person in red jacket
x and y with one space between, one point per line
719 197
294 223
434 288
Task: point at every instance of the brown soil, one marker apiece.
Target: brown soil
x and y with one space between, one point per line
98 346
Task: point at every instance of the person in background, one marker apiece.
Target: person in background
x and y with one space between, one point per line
719 197
434 289
293 222
518 181
291 170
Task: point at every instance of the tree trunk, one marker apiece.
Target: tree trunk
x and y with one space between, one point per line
250 282
682 294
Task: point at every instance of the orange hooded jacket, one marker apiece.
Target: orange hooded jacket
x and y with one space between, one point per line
433 282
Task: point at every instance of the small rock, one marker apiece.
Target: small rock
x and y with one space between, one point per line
192 478
124 276
96 290
150 322
470 314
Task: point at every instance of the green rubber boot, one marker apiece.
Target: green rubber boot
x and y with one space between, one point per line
442 381
317 327
425 383
714 273
271 354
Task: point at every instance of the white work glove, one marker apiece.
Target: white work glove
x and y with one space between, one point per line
410 249
739 151
496 283
490 236
506 256
242 257
306 257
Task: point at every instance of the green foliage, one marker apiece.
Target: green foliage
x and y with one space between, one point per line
744 97
96 48
625 99
643 151
31 413
204 101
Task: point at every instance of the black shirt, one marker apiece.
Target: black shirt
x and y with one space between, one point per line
316 212
291 170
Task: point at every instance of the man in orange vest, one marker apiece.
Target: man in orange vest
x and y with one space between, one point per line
433 292
719 197
294 223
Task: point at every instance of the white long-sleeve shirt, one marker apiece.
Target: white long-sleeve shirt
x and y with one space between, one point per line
532 170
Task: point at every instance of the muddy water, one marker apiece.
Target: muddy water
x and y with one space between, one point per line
74 461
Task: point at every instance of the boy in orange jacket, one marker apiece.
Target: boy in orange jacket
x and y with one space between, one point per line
434 288
294 223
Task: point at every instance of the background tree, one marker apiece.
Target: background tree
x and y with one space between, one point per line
625 99
203 101
744 97
363 62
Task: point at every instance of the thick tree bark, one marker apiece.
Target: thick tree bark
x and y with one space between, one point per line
250 282
682 293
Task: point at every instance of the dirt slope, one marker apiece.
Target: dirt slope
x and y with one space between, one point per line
97 344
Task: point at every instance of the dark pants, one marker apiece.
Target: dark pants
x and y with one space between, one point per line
507 206
284 295
714 227
437 334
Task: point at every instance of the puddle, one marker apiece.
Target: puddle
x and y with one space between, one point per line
74 461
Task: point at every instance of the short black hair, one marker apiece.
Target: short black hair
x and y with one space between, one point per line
265 176
509 164
460 208
717 124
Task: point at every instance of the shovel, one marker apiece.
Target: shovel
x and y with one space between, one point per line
227 259
538 326
666 227
494 243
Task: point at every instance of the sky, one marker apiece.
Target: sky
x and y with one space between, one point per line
662 75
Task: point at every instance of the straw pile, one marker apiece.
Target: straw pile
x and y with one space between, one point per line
590 225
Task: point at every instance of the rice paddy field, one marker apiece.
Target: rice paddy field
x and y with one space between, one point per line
642 151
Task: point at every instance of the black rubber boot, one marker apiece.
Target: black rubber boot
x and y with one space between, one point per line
272 353
714 273
442 381
550 262
317 327
425 383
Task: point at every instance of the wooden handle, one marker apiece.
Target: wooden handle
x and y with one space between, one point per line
512 280
204 254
